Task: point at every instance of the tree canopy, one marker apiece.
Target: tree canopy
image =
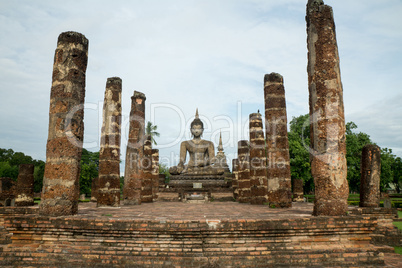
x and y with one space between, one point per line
299 141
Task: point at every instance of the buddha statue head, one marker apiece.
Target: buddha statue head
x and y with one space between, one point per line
196 127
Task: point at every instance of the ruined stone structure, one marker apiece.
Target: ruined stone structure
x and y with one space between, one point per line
94 189
24 192
60 190
298 194
155 174
258 171
243 171
146 164
7 192
235 178
109 154
327 119
220 158
133 170
370 176
279 182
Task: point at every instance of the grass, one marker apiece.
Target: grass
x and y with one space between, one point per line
398 224
398 250
399 214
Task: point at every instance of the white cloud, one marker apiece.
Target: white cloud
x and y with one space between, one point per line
188 54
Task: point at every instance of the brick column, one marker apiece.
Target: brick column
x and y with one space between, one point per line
235 178
25 186
60 190
146 164
258 171
109 154
370 176
243 171
327 119
298 193
94 189
133 174
279 182
155 174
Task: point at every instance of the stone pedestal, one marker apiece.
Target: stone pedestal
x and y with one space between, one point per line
279 182
25 186
109 155
370 176
243 173
258 174
327 119
60 190
133 174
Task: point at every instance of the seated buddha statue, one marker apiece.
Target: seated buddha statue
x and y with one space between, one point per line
202 154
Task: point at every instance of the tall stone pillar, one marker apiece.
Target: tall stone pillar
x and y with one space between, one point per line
243 174
146 165
155 174
133 174
109 154
235 178
25 186
327 119
279 182
258 171
60 190
370 176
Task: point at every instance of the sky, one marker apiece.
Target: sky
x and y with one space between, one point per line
210 54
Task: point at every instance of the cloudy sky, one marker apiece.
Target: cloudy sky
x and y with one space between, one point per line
210 54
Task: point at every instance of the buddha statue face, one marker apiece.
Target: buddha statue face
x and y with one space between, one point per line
197 128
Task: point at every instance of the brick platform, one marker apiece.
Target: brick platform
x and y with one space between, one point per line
174 234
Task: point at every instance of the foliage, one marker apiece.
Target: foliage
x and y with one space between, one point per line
89 170
9 166
151 130
299 142
354 146
163 169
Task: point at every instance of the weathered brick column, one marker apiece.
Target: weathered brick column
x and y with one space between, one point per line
258 171
243 174
60 190
133 174
298 193
146 164
94 189
235 178
327 119
155 174
370 176
25 186
279 182
109 154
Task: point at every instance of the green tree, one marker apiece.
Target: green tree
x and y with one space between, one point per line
299 142
39 172
397 172
387 172
354 146
89 170
151 130
164 169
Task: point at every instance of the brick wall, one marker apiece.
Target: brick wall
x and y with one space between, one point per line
67 241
